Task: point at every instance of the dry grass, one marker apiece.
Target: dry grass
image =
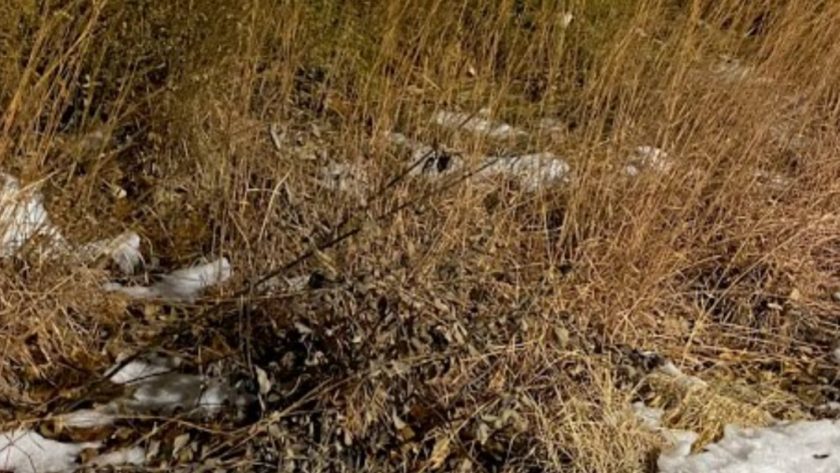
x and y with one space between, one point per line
498 326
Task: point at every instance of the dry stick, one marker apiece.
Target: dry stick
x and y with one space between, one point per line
186 325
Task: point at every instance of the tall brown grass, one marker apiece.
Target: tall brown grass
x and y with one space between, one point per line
154 116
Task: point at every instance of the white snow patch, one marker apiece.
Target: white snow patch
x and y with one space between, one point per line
157 388
87 419
345 178
426 160
176 391
24 218
25 451
647 157
552 125
732 70
124 250
181 285
476 124
533 170
771 180
649 417
135 456
136 371
793 447
671 369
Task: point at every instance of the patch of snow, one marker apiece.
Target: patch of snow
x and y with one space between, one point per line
772 180
344 178
135 456
136 371
87 419
213 398
156 388
476 124
25 451
181 285
175 391
23 217
731 70
533 170
792 447
671 369
552 125
649 417
124 250
425 159
647 157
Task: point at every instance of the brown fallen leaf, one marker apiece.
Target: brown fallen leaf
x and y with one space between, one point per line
439 452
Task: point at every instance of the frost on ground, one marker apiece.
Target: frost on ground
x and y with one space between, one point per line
807 446
24 219
478 124
181 285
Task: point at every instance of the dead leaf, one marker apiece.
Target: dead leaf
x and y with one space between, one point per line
439 452
262 380
179 443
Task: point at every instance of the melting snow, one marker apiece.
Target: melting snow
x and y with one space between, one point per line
345 178
176 391
647 157
533 170
476 124
130 456
24 218
138 371
87 419
158 389
807 446
650 417
181 285
124 250
671 369
24 451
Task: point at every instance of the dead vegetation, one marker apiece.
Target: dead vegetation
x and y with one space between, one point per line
445 325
